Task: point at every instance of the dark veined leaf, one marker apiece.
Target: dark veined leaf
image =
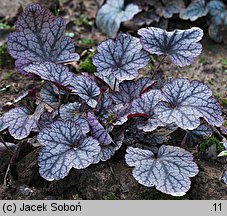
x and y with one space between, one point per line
145 105
107 151
72 111
195 10
112 13
193 137
170 8
122 57
203 130
49 95
21 122
170 172
110 80
40 37
86 88
181 45
98 131
46 119
64 147
56 73
184 102
130 90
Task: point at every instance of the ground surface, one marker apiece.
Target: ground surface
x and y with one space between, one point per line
112 179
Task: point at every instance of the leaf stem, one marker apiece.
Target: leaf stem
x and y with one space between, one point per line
115 83
158 66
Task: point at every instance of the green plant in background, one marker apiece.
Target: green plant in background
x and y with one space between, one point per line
111 196
83 20
4 26
209 142
87 64
86 41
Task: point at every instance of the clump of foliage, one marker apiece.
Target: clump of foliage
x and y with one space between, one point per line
87 64
80 119
159 12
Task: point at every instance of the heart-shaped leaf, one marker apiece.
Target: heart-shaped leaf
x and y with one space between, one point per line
86 88
112 13
21 122
184 102
145 105
181 45
64 147
122 57
40 37
56 73
195 10
170 172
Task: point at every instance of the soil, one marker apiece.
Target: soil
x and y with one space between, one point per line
112 179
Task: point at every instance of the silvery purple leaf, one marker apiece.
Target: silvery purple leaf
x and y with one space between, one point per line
98 131
56 73
64 147
195 10
122 57
70 111
184 102
40 37
170 172
49 95
21 64
112 14
21 122
145 105
86 88
130 90
203 130
192 137
46 119
104 104
107 151
110 80
181 45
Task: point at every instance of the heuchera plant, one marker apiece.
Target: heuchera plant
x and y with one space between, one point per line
80 119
